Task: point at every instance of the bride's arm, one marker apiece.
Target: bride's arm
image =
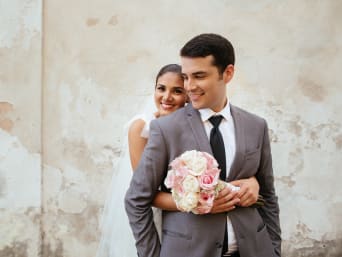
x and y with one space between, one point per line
164 201
136 143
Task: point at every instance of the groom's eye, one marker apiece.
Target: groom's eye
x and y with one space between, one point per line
200 76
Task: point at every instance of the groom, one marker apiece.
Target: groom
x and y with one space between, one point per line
207 65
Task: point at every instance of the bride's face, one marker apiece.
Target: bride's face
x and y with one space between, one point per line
169 94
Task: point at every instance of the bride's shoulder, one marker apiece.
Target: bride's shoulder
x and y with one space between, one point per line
139 125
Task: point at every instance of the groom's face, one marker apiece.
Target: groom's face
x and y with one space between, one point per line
204 84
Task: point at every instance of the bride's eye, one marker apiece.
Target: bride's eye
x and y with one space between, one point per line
160 88
179 91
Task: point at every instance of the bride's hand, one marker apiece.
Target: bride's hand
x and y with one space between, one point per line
249 191
225 201
157 114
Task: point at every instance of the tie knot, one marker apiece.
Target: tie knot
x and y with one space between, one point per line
216 120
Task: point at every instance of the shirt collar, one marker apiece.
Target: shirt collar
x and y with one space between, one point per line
207 113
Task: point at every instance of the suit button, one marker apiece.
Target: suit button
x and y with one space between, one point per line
218 245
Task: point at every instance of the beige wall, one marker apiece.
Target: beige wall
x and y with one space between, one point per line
73 72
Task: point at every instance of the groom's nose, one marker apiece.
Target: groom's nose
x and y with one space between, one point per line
189 84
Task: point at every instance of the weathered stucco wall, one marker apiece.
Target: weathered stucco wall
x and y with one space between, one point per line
67 90
20 125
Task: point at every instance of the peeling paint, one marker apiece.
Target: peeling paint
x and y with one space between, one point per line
318 248
309 246
338 141
5 107
92 22
288 180
3 187
138 55
312 90
273 136
6 124
113 21
17 249
49 251
295 127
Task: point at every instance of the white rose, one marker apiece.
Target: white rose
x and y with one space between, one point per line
195 162
191 184
188 202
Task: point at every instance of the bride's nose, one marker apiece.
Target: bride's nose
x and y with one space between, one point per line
167 96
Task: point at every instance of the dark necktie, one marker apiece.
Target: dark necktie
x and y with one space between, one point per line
217 146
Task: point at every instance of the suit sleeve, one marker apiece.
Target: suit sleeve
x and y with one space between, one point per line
270 211
144 184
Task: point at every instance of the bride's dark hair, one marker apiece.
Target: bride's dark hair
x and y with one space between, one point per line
174 68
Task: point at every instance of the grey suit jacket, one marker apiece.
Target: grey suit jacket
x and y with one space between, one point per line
190 235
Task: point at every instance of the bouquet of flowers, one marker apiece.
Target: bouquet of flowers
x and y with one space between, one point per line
193 178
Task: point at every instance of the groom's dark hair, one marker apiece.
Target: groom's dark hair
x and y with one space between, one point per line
204 45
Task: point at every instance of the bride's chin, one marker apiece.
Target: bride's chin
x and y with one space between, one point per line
164 112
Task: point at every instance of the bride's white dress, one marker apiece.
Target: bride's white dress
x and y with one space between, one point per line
116 235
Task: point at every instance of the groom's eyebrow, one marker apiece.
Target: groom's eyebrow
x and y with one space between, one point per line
197 73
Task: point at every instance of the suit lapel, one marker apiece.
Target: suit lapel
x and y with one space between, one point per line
195 121
240 141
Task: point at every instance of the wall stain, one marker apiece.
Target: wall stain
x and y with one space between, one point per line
5 107
34 214
18 249
6 123
92 22
288 180
273 136
49 252
138 55
320 133
300 244
338 141
296 159
312 90
319 248
295 127
113 21
78 152
3 186
83 226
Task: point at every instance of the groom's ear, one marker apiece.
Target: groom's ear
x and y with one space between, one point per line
228 73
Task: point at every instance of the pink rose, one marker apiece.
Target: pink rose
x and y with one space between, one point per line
181 172
209 179
211 161
177 163
207 197
170 179
206 201
202 209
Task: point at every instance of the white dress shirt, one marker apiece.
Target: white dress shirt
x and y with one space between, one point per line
227 130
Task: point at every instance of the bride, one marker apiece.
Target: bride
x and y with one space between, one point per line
117 238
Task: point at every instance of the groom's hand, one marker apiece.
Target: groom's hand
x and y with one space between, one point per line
225 201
